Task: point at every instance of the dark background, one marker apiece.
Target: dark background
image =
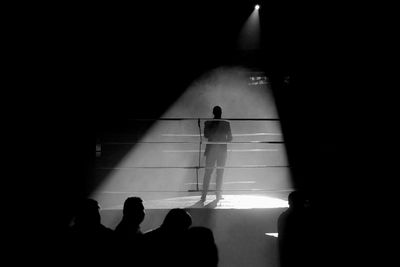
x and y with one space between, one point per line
81 63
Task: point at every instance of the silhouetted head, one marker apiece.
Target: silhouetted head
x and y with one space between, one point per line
134 210
217 111
177 220
88 213
202 235
297 199
202 239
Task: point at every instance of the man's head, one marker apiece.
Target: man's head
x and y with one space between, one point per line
88 213
177 220
297 199
217 111
134 209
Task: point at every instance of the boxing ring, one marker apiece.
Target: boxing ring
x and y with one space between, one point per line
161 160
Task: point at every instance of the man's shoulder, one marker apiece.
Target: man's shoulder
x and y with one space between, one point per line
106 231
220 121
224 123
152 232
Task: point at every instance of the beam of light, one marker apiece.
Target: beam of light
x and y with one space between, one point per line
229 202
233 135
251 202
174 175
239 182
249 36
229 150
272 234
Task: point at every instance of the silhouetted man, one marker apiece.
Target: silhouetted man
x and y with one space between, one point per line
201 249
167 242
88 237
128 232
294 235
87 223
133 216
218 131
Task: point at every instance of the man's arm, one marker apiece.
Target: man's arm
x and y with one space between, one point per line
228 133
206 129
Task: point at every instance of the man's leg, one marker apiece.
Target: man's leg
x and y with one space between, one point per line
210 162
220 173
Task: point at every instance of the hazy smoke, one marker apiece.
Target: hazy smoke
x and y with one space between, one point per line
229 88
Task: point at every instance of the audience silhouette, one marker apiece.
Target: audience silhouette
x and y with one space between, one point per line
88 238
166 243
201 249
128 233
91 243
133 216
294 232
175 242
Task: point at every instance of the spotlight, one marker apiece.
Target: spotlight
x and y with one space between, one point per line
257 7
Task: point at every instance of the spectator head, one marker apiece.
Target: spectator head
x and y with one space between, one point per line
88 213
217 111
202 235
202 239
297 199
177 220
134 210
